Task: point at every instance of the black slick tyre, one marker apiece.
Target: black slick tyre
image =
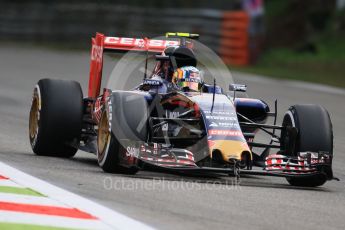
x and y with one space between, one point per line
55 121
314 134
124 117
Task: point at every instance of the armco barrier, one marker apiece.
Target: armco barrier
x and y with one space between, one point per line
223 31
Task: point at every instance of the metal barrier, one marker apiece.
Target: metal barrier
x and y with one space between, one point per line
223 31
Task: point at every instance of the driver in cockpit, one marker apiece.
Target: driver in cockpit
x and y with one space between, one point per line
176 69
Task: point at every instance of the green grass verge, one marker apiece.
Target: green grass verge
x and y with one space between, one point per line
327 66
14 226
21 191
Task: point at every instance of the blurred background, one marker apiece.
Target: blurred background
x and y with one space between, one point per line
292 39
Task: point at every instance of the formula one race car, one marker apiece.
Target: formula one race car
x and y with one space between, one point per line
175 121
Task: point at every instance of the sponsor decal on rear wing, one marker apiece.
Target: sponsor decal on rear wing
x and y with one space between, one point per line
101 44
137 44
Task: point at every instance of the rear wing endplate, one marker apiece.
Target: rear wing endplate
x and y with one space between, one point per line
101 44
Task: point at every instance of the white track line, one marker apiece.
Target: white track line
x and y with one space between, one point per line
9 183
112 218
287 82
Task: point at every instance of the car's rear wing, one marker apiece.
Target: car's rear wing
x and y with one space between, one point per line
137 44
101 44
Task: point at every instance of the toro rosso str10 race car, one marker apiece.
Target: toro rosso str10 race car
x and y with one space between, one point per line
175 121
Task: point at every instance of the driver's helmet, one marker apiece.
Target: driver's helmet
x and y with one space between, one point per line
184 56
188 78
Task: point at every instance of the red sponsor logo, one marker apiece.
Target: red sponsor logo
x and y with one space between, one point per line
96 53
139 42
216 132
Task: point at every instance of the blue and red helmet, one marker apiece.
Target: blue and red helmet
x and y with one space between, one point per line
188 78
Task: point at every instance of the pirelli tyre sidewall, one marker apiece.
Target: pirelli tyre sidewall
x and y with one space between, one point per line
55 120
124 120
315 133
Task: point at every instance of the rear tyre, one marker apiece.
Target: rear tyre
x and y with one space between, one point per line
314 134
129 117
55 121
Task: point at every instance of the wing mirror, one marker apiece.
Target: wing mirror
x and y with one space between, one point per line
238 87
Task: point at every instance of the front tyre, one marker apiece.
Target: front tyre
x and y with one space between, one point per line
110 150
121 131
314 134
55 121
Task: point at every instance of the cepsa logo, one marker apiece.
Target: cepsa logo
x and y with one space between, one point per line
139 42
96 53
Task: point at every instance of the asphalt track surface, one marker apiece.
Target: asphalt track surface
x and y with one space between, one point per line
162 200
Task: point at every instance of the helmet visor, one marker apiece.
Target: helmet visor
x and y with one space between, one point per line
192 84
